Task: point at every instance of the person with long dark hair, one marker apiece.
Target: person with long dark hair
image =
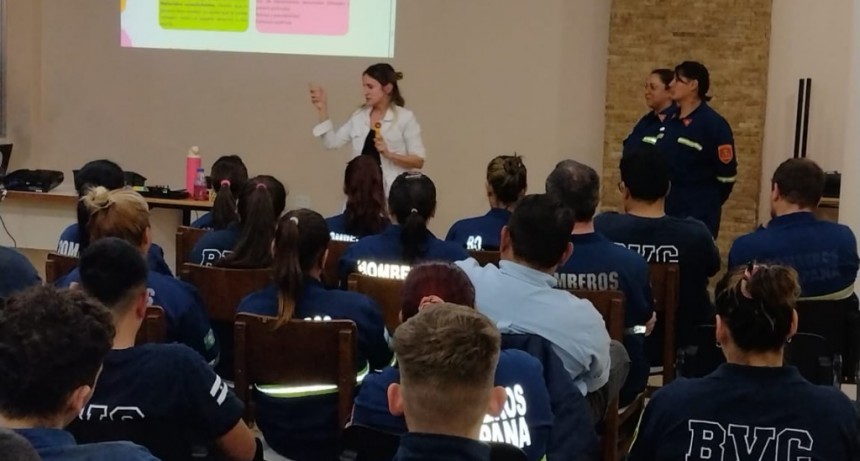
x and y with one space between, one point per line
382 128
245 244
295 424
229 174
365 202
411 205
658 98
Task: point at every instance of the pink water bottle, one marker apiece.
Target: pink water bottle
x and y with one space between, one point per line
192 163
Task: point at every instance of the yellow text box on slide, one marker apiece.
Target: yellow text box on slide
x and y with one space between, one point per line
210 15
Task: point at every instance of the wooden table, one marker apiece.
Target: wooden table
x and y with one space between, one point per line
66 196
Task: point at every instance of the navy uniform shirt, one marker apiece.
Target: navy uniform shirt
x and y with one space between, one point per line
215 245
649 128
203 222
824 253
381 255
481 232
163 385
16 272
70 244
59 445
702 162
525 421
686 242
302 427
416 446
741 412
337 229
599 264
187 320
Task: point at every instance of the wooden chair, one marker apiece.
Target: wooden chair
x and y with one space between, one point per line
665 285
186 238
335 250
386 293
297 353
485 257
222 288
57 265
154 327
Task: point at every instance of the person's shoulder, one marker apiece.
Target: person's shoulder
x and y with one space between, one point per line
690 226
162 283
71 232
675 394
167 356
382 379
123 450
13 257
609 219
404 113
260 302
521 361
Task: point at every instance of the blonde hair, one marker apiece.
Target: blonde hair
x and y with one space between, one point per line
121 213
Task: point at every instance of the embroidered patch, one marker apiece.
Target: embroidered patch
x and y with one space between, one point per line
726 153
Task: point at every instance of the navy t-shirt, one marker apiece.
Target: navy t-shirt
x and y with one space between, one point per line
525 422
203 222
187 320
60 445
382 255
599 264
824 253
416 446
16 272
302 427
481 232
70 243
215 245
162 384
684 241
742 412
337 228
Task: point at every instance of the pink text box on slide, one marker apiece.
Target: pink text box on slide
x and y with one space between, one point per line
303 17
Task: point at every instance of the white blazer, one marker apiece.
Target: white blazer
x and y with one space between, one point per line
399 129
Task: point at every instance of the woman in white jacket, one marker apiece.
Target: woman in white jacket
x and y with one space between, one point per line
382 127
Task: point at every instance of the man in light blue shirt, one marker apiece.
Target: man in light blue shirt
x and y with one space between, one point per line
520 296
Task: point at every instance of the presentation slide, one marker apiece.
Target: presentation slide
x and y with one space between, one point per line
312 27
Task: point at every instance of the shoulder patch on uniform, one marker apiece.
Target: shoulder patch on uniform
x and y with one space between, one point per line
726 153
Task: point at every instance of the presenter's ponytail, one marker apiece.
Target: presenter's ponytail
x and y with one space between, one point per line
385 74
412 201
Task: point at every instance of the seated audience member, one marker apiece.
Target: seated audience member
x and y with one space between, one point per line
598 264
74 239
16 272
824 253
520 296
646 229
228 176
365 202
527 419
16 448
246 244
407 241
752 407
506 185
124 214
297 425
52 344
144 377
448 355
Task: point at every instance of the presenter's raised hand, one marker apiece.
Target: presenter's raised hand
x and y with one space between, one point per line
318 99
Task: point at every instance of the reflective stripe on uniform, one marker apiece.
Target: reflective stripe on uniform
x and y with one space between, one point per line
308 390
726 179
650 139
835 296
689 143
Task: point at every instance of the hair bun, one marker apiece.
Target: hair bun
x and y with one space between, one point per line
97 198
399 75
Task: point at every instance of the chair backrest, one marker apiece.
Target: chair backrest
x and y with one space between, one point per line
336 248
665 285
837 322
186 238
221 288
386 293
363 443
485 257
58 265
705 356
297 353
610 304
154 327
813 357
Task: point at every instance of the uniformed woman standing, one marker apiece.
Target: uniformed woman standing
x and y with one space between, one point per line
659 100
701 150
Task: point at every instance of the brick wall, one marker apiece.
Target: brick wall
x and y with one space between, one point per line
731 38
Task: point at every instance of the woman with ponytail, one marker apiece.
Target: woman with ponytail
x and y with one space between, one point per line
408 241
753 404
506 185
246 244
299 426
365 202
228 176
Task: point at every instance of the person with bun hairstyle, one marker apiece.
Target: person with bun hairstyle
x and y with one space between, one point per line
124 214
658 98
297 424
228 175
753 406
245 244
381 128
407 241
506 185
365 202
